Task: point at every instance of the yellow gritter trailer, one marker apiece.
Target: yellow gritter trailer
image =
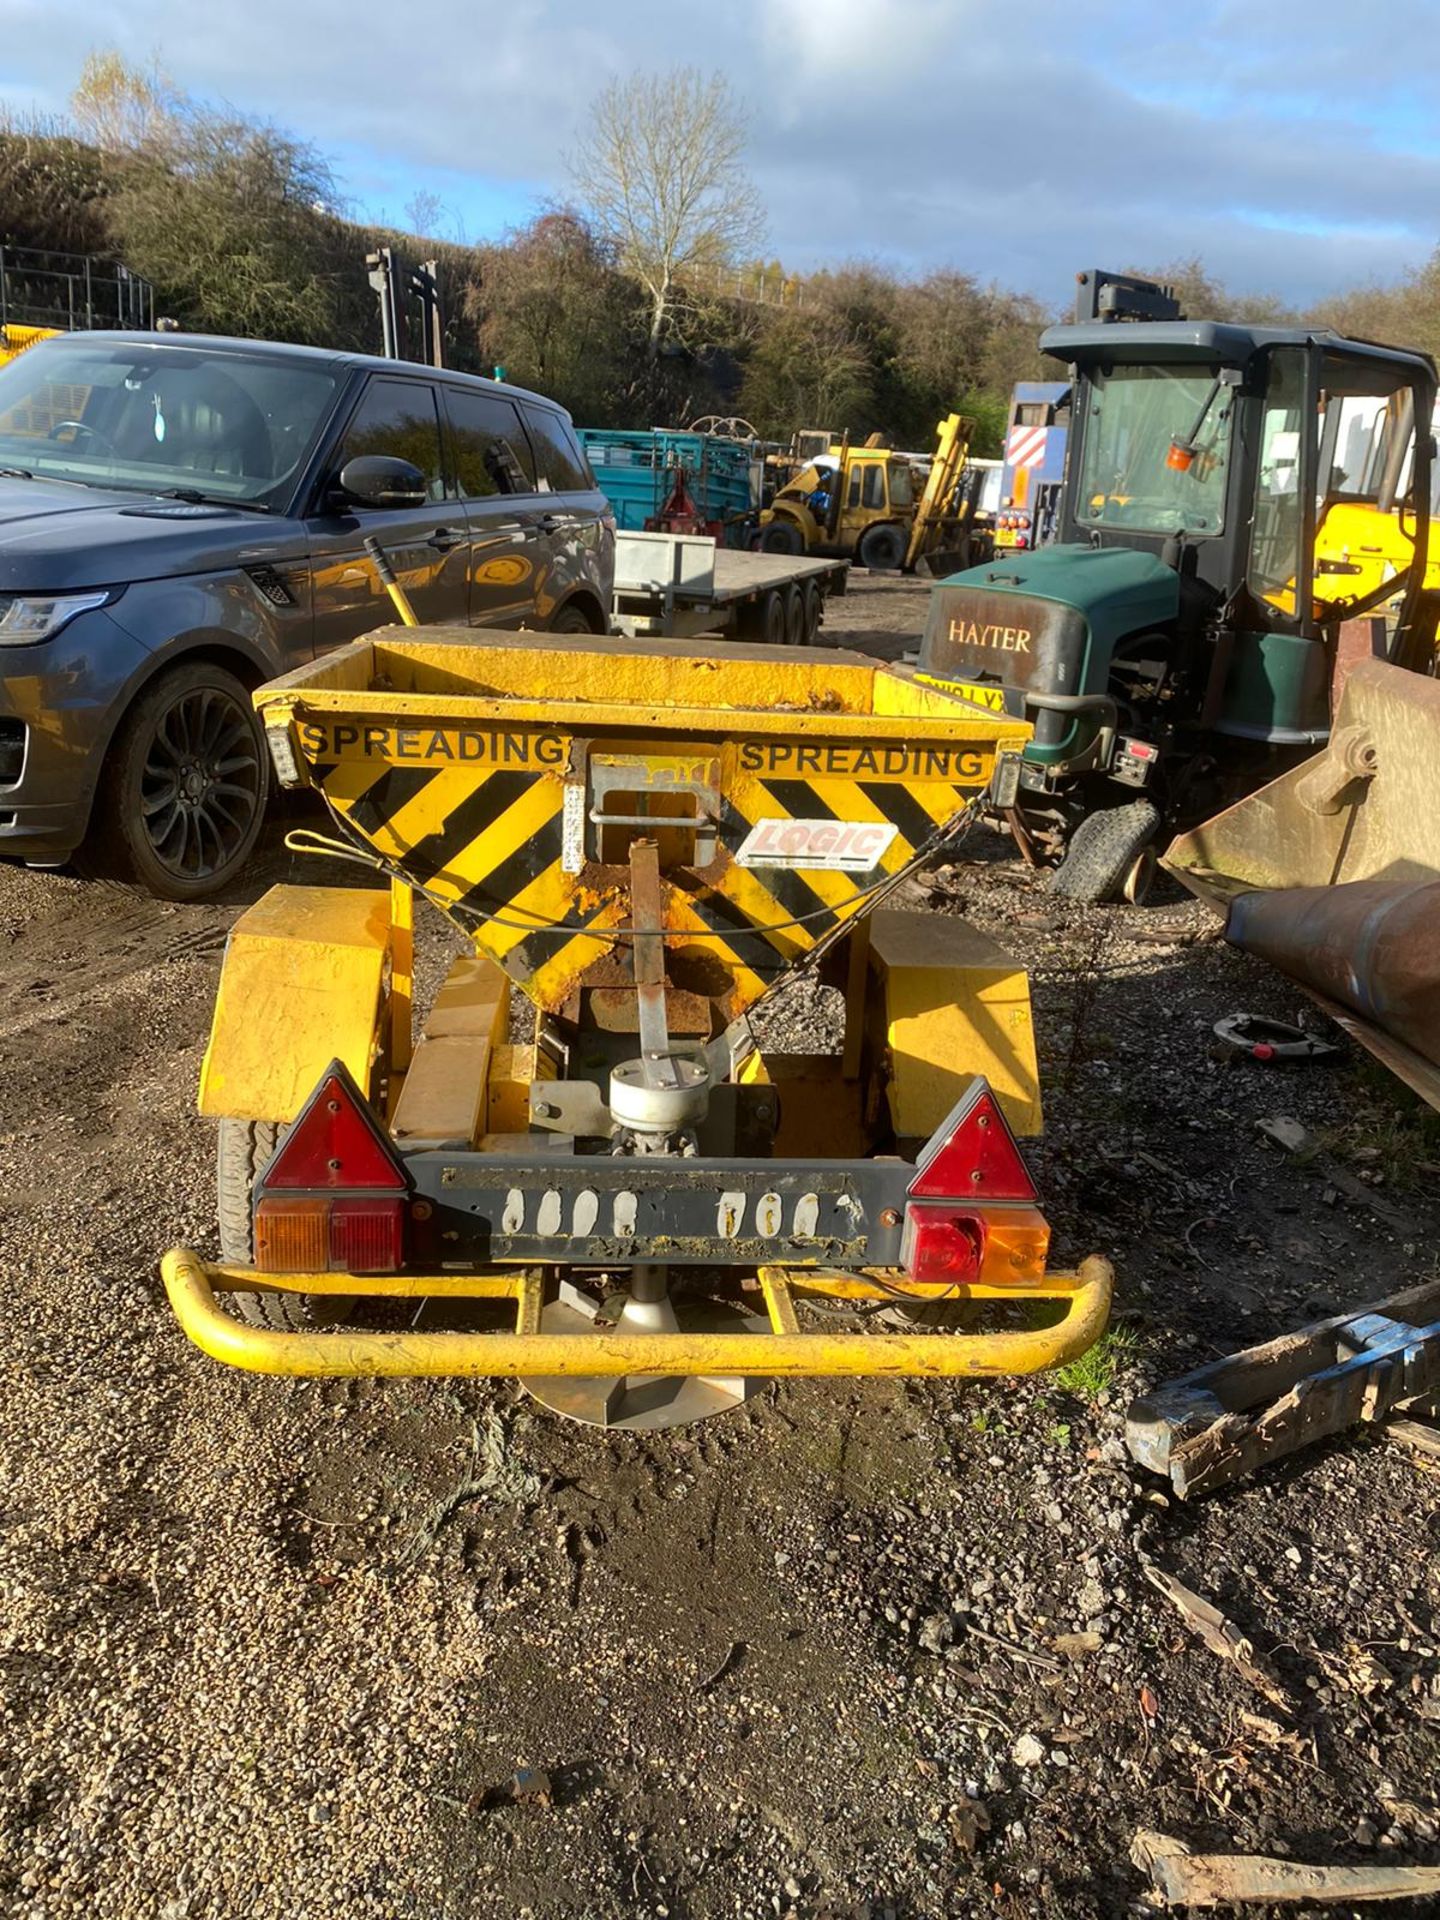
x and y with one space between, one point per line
649 839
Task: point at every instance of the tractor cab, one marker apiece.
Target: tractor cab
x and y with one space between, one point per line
1188 616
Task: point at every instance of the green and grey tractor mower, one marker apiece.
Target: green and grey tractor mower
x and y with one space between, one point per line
1176 646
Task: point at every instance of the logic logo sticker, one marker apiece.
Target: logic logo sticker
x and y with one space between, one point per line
836 846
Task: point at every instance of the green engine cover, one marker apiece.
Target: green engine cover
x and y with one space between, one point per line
1045 622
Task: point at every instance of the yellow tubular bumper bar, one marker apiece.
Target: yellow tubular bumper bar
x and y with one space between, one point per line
783 1352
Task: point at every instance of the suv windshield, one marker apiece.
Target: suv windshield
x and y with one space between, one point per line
1133 417
151 418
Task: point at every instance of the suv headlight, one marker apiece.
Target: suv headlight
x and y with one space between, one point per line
28 617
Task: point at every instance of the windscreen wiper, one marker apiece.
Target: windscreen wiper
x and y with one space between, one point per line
192 496
16 473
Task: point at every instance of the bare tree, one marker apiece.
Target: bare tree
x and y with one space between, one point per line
423 212
124 109
660 174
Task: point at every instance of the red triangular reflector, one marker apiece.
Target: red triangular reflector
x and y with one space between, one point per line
973 1156
336 1144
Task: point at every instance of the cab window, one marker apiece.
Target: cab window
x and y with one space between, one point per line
902 486
399 418
492 455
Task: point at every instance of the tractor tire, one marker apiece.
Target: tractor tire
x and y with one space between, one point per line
881 549
243 1151
781 536
1106 851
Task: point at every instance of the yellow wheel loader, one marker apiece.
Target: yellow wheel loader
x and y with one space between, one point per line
622 1198
863 503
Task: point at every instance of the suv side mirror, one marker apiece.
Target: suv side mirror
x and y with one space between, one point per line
381 480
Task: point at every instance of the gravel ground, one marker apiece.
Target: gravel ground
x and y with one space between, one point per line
856 1649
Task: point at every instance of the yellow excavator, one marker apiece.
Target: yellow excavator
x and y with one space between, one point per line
862 503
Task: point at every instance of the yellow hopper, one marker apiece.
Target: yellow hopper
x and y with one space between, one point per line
648 838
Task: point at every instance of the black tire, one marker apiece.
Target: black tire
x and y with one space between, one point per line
243 1151
772 619
794 616
881 549
183 790
781 536
572 619
1102 851
814 602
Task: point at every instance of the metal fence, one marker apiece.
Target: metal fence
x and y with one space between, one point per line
71 291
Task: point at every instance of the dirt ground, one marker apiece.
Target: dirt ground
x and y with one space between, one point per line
853 1650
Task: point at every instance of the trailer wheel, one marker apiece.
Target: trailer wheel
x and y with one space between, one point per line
762 619
781 536
794 616
1106 854
881 549
814 605
243 1151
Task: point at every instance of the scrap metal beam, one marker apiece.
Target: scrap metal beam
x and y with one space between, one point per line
1220 1422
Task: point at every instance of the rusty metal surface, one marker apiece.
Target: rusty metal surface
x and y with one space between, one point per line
1324 871
1367 808
1370 944
647 948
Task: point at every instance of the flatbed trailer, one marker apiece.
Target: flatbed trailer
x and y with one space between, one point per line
678 585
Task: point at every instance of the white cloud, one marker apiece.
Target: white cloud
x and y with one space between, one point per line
1019 145
859 43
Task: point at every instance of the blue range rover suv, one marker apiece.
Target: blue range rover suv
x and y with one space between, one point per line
182 518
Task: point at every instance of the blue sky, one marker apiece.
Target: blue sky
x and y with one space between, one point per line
1289 146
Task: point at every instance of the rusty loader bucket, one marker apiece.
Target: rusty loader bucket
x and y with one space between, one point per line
1332 872
650 840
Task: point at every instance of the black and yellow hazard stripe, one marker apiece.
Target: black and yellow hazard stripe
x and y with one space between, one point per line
486 843
819 898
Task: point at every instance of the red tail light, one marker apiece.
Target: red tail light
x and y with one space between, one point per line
334 1197
973 1156
942 1247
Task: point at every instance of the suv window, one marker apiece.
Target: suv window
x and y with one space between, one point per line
398 417
559 464
491 452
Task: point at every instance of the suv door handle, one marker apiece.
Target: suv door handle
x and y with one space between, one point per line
445 538
547 523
